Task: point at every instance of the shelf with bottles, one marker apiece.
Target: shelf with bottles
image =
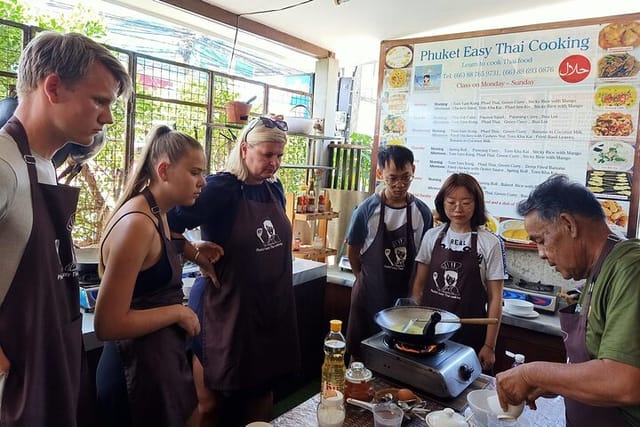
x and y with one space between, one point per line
316 215
309 215
317 136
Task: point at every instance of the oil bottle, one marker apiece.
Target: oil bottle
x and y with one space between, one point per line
333 368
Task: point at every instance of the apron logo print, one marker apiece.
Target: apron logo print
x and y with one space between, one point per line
71 221
268 236
448 287
400 254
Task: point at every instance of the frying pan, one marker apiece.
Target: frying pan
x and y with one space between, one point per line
415 324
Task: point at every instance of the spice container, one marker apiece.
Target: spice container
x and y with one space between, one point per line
331 411
357 383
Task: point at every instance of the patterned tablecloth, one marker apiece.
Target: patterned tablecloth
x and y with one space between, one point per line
550 412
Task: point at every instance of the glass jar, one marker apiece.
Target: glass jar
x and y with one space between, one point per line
331 411
357 384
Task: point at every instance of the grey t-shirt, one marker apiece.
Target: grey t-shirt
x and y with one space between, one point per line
16 215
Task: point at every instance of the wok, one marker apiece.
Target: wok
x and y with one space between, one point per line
415 324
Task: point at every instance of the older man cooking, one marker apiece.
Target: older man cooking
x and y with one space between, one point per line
601 382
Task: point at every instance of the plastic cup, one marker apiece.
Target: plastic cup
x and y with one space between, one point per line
387 414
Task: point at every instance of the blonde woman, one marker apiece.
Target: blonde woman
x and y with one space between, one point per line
248 340
143 375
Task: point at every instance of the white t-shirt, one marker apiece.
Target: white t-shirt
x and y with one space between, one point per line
16 214
493 264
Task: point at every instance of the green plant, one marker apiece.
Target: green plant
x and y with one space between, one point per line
363 140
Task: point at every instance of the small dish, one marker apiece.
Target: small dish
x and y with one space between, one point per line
511 414
531 315
518 306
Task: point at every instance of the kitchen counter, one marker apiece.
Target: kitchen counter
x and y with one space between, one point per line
550 412
304 271
545 323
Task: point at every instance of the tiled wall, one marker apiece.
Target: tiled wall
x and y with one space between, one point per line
526 265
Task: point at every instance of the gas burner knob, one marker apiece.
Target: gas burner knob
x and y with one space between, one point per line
465 371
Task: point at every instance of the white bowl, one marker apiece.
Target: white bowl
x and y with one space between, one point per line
513 412
299 125
477 401
518 307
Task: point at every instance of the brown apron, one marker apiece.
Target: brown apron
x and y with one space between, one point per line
385 276
574 324
40 319
455 285
157 372
249 328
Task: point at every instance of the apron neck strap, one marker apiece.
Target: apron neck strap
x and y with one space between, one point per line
15 128
155 210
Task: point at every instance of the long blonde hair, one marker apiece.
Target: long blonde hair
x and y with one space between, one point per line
255 133
161 141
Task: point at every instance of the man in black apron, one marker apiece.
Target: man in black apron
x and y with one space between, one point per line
601 382
63 97
384 267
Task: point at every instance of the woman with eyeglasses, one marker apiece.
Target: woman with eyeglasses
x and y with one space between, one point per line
385 230
461 267
248 340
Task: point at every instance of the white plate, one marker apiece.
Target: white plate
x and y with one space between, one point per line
399 57
511 224
611 156
531 315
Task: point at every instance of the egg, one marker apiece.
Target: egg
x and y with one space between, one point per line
405 394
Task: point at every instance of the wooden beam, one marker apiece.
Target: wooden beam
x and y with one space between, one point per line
223 16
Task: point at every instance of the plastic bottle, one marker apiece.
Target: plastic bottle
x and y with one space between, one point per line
333 368
518 359
321 203
297 241
327 202
302 200
311 196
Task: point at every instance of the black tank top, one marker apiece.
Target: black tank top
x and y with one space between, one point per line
154 277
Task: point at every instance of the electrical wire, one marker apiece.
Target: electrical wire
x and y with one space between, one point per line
238 16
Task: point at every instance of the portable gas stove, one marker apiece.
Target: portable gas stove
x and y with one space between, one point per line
544 297
444 370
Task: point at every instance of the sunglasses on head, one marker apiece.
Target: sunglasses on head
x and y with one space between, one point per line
268 123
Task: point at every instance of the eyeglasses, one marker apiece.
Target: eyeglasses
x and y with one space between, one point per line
464 204
268 123
404 179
